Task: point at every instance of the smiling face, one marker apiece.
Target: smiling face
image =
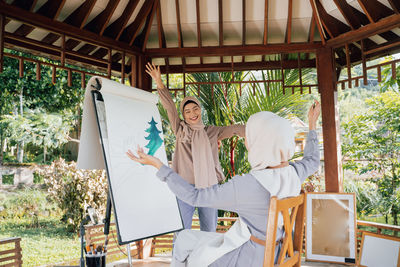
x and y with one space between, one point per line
192 113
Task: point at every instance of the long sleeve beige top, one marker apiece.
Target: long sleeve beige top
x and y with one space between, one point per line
182 161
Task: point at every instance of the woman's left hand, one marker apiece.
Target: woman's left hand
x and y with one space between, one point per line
313 115
144 158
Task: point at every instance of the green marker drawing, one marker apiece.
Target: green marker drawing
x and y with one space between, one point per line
154 138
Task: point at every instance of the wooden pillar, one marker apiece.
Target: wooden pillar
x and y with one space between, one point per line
144 80
134 71
2 32
330 120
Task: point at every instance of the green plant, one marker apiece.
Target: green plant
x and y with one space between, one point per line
73 190
8 179
374 138
28 204
230 104
367 198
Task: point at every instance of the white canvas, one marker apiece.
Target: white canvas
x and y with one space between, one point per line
377 252
143 205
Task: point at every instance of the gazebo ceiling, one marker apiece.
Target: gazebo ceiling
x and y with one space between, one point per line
200 32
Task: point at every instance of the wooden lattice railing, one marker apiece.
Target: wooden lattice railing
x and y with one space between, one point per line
10 252
377 228
94 234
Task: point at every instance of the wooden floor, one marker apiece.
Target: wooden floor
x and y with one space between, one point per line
166 260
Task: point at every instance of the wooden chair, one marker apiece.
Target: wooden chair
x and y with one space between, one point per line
292 210
10 252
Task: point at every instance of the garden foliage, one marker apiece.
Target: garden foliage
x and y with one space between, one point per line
74 190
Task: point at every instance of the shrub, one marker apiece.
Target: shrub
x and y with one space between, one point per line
27 204
73 190
8 179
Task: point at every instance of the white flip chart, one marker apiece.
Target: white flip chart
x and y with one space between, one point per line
127 117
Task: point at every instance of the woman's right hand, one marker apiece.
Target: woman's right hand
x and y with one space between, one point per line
144 158
155 73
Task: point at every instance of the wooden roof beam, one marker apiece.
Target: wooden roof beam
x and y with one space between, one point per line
384 25
395 4
25 4
233 50
318 20
348 13
288 35
220 26
178 23
129 34
333 26
50 9
198 23
39 49
356 18
375 10
311 31
243 25
147 27
99 23
63 28
161 35
289 64
79 17
220 23
86 49
117 27
265 37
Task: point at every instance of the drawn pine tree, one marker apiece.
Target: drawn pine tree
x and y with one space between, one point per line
154 138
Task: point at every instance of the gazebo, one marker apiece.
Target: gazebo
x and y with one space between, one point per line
118 37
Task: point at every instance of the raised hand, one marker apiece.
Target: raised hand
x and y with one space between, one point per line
313 115
154 72
144 158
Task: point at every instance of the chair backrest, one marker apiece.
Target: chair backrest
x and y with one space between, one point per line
10 252
292 211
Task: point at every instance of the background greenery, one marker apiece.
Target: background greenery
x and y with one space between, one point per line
38 120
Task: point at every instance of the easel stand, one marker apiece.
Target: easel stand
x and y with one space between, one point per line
107 218
107 221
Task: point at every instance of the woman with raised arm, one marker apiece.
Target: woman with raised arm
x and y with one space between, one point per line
196 150
270 144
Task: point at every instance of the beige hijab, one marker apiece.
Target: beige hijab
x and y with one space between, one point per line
204 162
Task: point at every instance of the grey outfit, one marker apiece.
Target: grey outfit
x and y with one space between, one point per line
245 195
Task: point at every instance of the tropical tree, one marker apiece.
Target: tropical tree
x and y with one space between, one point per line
374 138
20 96
226 103
44 130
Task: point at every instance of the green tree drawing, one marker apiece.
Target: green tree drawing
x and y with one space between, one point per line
154 138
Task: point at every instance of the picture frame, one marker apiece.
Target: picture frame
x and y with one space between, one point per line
379 250
331 227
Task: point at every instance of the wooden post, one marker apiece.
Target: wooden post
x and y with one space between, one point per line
2 32
123 68
63 50
133 71
330 120
144 80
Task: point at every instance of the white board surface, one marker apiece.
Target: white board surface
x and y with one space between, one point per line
143 205
378 252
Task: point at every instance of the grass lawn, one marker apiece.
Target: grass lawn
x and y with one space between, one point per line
47 244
